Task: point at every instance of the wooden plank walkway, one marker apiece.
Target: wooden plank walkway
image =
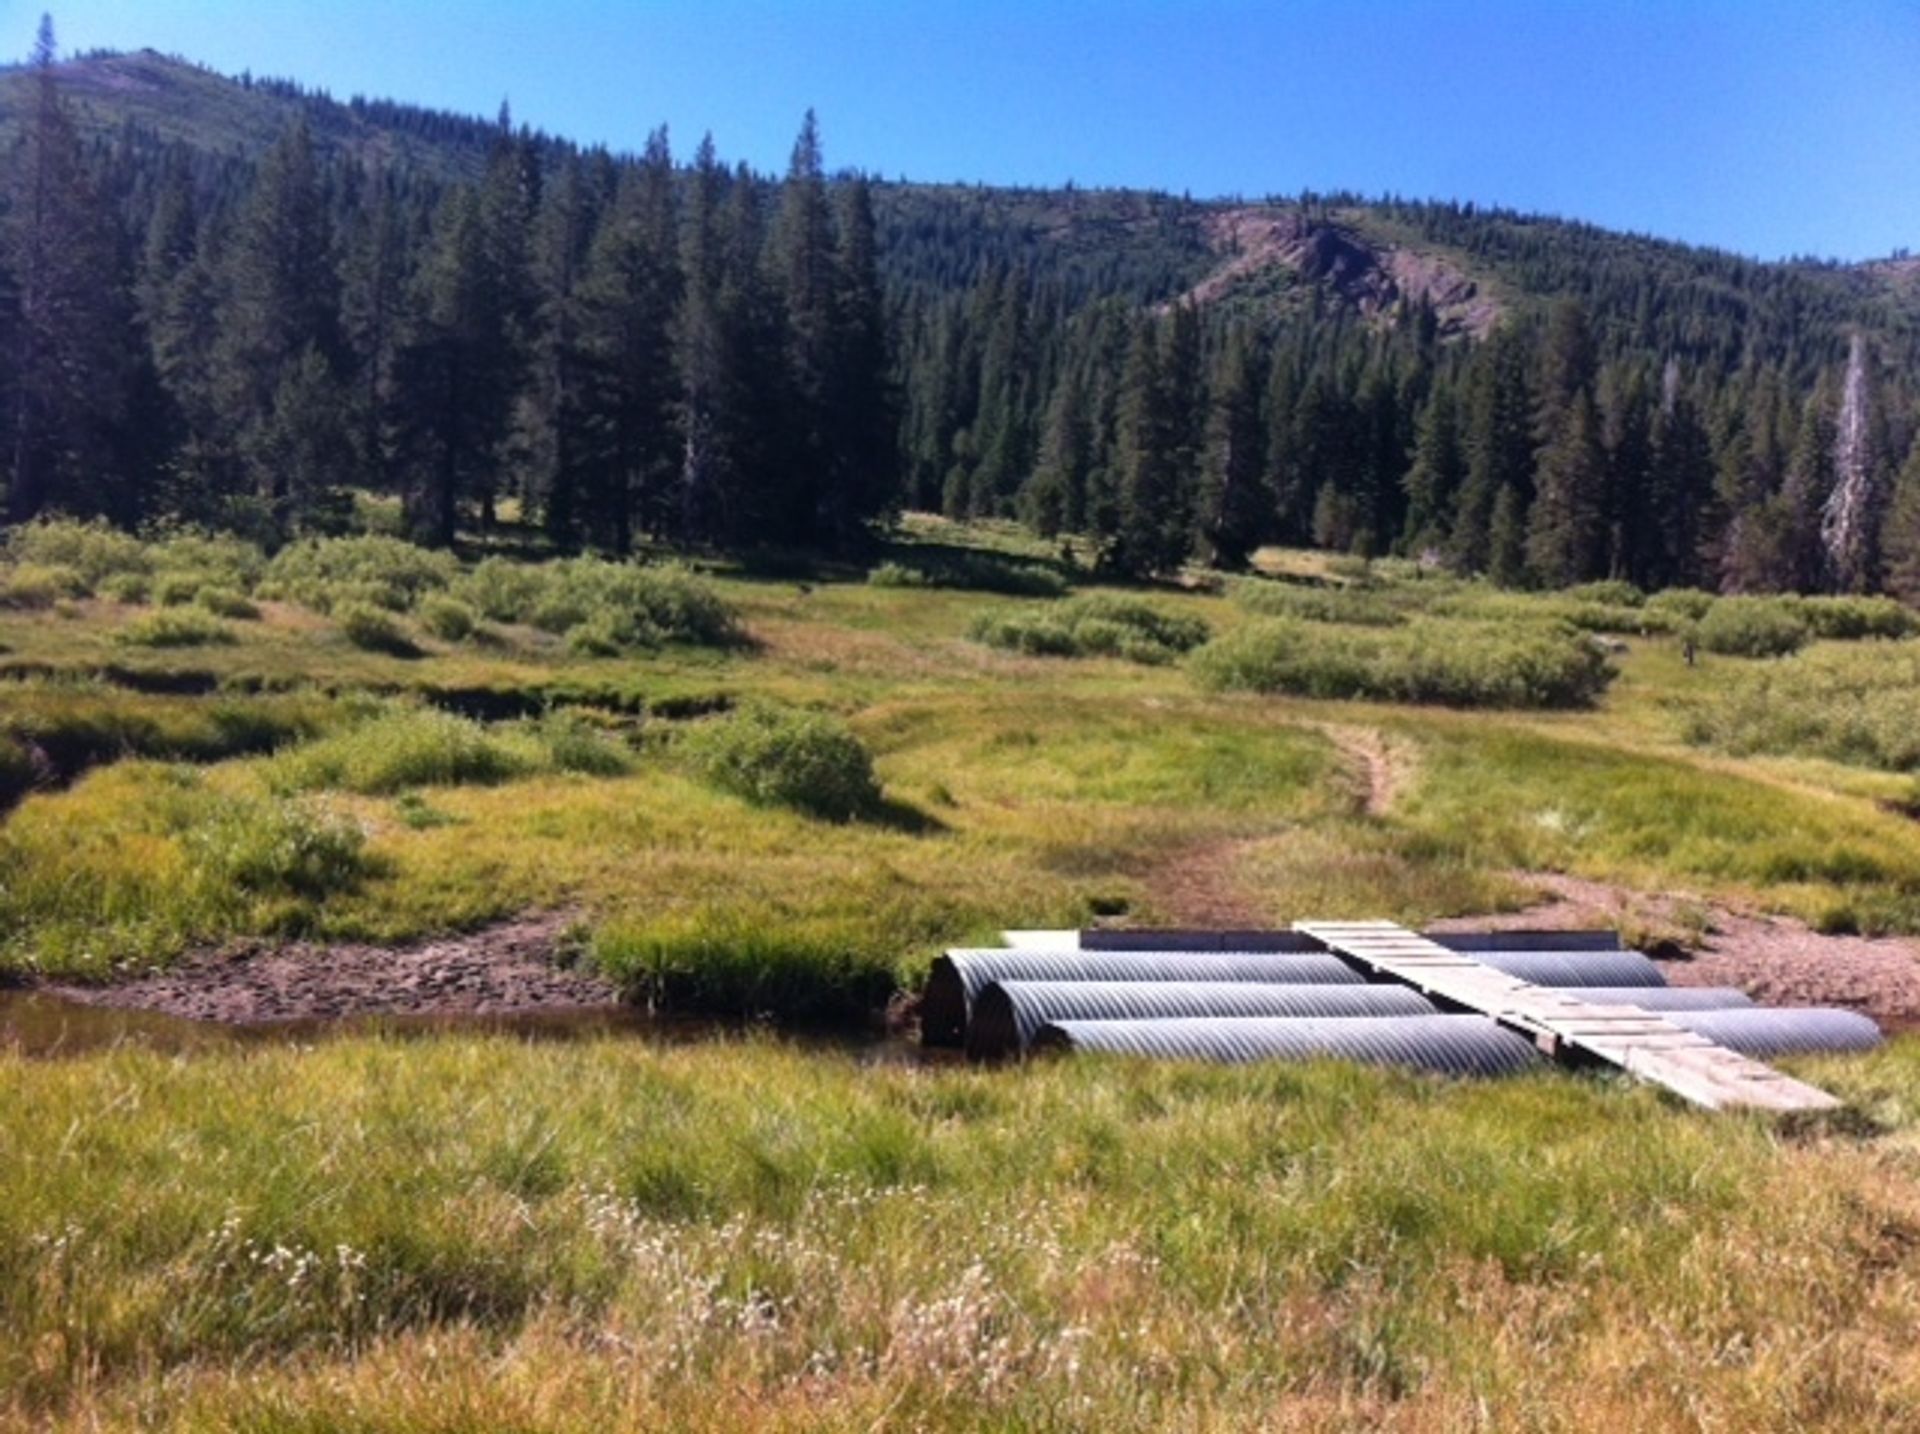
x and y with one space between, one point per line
1639 1042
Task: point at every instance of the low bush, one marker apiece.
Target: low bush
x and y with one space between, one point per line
398 749
92 550
1754 627
1613 617
1358 607
225 602
447 618
177 589
1456 663
777 756
1098 625
970 572
36 586
385 572
568 742
176 627
223 560
1680 605
374 629
502 590
1853 705
622 605
1608 592
1852 618
127 587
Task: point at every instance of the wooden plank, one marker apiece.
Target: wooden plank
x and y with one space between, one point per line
1642 1043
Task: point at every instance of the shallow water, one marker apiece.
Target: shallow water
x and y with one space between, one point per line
41 1024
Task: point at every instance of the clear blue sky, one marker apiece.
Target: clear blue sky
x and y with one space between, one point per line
1769 127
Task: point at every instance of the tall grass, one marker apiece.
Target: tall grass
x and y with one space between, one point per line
401 748
1455 663
1850 704
1360 607
746 1235
141 860
1097 625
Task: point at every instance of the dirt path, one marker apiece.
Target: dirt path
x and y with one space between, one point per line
1774 959
509 969
1386 767
1197 887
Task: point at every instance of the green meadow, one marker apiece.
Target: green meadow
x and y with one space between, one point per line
772 797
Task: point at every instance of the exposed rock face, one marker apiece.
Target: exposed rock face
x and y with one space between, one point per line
1376 279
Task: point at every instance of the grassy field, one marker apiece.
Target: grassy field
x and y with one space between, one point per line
472 1233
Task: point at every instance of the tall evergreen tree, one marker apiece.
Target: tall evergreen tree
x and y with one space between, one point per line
1567 524
1680 490
1154 534
70 319
1499 481
1234 500
1439 468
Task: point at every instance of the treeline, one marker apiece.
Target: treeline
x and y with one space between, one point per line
1545 455
623 347
700 356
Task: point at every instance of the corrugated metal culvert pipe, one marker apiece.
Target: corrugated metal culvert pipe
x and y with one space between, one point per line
1007 1014
959 976
1446 1045
1766 1032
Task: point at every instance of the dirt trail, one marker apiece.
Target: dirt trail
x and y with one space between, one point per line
1197 887
508 969
1774 959
1387 766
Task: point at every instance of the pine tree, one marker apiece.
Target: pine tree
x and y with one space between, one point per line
280 305
1902 534
1499 482
802 257
71 320
865 421
551 443
1153 534
1235 503
629 297
1566 539
1680 488
1056 500
1799 564
1439 468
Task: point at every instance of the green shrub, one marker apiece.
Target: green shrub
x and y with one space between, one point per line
374 629
176 627
398 749
1462 664
127 588
1355 606
280 848
1681 605
1613 617
1097 625
1609 592
93 550
1847 704
1754 627
36 587
624 604
447 618
386 572
897 575
776 756
222 559
1851 618
225 602
596 636
568 742
502 590
970 572
177 589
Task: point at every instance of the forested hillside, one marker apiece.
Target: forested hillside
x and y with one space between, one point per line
236 303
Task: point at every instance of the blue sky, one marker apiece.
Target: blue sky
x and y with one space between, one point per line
1768 127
